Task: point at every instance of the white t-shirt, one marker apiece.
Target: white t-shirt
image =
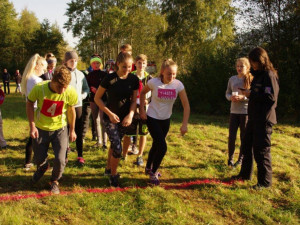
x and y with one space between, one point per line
31 82
163 98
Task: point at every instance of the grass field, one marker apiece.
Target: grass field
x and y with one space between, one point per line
201 154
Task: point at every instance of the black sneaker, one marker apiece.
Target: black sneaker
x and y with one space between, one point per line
239 162
239 177
114 180
147 171
230 163
259 187
54 187
40 172
107 172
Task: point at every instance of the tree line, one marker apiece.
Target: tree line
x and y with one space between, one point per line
23 35
204 37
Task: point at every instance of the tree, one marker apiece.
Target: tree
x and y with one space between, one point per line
48 38
8 30
193 24
276 26
28 24
103 26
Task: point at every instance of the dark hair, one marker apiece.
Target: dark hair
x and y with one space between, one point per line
260 56
122 57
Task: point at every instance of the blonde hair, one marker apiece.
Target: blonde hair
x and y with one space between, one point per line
248 76
126 47
34 62
166 63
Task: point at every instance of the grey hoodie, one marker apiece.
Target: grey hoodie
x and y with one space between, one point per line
79 82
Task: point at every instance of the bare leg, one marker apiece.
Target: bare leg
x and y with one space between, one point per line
114 162
142 145
126 143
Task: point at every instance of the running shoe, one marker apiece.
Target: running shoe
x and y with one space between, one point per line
133 150
54 187
114 180
107 172
147 171
230 163
80 160
139 161
154 178
27 166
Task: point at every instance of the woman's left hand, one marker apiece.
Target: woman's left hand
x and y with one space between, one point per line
183 129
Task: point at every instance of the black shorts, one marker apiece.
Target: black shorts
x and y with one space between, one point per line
137 127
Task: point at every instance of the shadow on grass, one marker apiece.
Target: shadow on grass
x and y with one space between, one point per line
68 182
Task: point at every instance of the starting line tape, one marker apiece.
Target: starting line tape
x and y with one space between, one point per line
6 198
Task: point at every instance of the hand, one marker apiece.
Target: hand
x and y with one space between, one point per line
114 118
93 89
146 102
34 133
239 97
143 115
127 120
233 98
72 136
183 129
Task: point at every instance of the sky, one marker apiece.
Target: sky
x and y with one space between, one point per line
53 10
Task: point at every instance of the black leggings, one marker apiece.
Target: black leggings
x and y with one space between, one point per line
236 121
78 130
158 130
28 151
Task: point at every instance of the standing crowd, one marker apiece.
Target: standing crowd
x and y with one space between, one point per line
127 103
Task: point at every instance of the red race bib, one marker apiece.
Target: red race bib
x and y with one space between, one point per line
52 108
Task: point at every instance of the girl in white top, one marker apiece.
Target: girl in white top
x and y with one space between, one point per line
35 67
165 89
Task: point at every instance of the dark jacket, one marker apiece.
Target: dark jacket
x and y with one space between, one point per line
263 97
6 77
94 79
18 78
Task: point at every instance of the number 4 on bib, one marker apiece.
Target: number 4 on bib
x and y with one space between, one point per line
52 108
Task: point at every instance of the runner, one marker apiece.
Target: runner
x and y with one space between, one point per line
165 89
48 124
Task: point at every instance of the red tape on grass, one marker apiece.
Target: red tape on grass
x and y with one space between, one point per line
7 198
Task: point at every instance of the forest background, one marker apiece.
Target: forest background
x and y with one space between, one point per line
204 37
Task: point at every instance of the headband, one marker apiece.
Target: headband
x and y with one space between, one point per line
95 59
49 61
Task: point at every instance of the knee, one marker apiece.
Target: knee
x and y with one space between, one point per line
117 153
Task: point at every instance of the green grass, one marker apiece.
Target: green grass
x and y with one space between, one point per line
201 154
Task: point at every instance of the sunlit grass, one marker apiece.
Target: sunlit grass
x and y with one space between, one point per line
201 154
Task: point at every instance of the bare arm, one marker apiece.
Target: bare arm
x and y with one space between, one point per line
143 93
186 111
34 133
128 119
71 115
100 92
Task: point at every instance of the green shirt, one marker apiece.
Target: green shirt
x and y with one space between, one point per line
51 113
